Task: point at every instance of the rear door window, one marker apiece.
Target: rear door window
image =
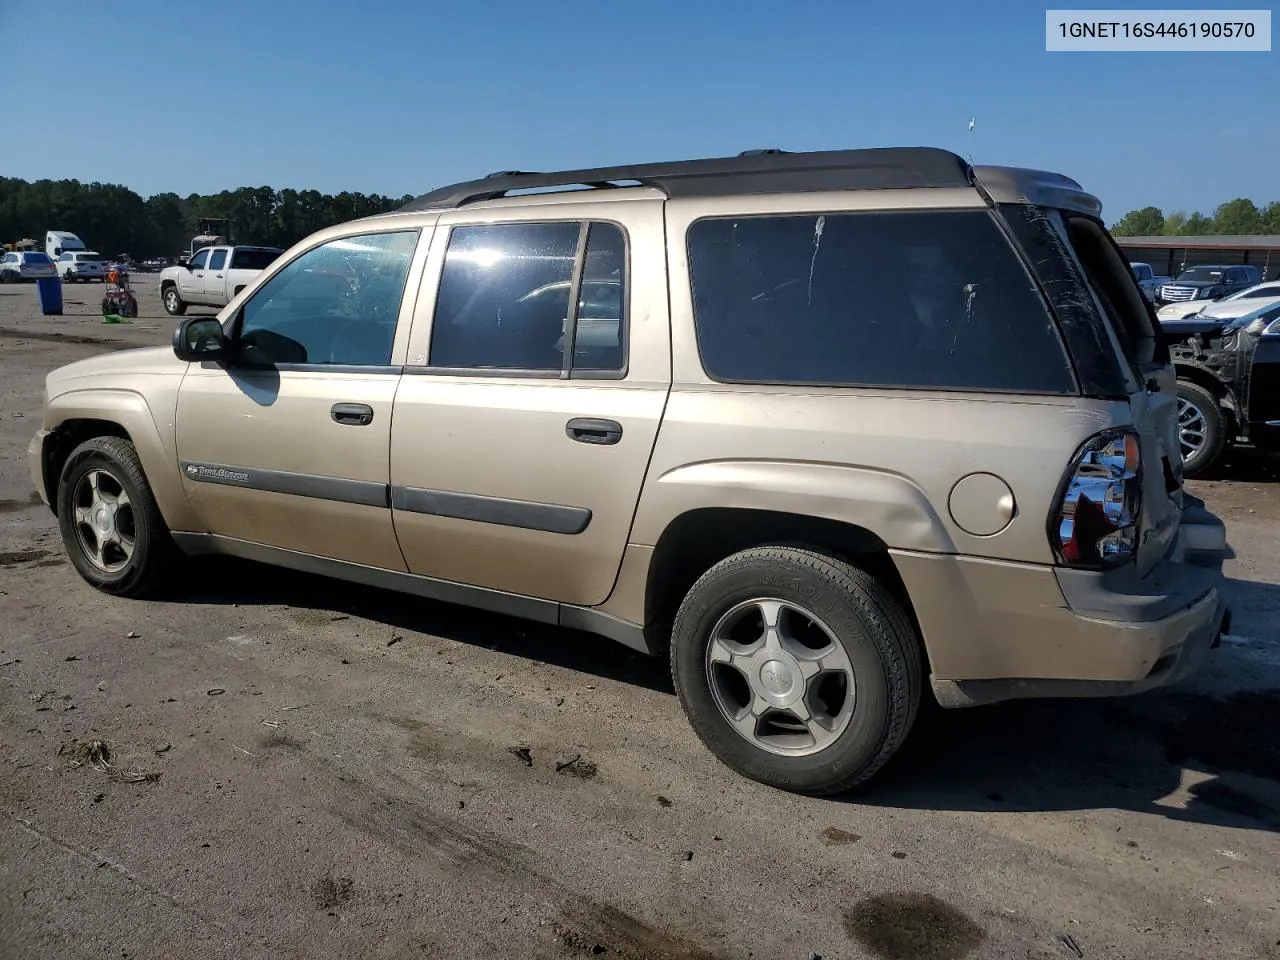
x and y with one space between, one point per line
919 299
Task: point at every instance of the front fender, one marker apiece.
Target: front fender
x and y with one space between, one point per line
152 433
886 504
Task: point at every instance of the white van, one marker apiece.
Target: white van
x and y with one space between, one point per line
58 242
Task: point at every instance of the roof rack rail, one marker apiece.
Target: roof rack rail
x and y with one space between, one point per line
751 172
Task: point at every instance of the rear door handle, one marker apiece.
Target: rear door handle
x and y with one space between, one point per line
354 414
589 430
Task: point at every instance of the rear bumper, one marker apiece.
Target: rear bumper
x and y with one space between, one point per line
1000 631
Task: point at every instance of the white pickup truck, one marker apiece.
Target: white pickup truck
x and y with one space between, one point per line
213 276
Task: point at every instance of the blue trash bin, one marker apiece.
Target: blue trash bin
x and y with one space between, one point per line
50 289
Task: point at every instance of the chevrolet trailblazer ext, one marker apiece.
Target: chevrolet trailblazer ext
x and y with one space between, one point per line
820 427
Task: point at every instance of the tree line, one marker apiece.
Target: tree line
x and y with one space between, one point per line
113 219
1239 216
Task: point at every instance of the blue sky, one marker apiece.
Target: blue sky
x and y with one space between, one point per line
397 96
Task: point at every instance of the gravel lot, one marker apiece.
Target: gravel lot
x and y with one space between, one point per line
335 777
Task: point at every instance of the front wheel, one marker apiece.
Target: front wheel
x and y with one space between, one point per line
173 303
796 669
1202 431
110 523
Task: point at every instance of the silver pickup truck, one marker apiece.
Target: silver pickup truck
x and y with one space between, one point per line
213 276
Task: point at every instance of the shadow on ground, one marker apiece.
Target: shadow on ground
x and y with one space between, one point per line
1133 753
227 581
1246 465
1056 755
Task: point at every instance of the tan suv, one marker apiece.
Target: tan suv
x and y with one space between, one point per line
818 426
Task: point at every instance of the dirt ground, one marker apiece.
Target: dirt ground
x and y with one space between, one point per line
329 774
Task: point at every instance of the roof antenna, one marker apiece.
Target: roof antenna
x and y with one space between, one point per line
973 122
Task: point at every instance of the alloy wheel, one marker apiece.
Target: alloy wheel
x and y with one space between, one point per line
780 677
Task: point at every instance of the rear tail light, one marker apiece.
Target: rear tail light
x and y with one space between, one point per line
1095 524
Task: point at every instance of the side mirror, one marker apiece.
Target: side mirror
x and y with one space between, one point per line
199 338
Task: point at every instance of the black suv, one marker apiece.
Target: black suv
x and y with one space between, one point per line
1228 383
1209 283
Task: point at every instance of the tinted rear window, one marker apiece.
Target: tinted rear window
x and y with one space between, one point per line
89 257
252 259
38 258
931 299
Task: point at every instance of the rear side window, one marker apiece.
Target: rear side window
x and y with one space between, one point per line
242 259
1123 303
934 300
217 260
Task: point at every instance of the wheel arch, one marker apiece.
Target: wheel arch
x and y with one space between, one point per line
77 416
698 539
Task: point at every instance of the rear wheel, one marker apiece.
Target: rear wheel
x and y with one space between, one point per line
1202 431
110 524
796 669
173 304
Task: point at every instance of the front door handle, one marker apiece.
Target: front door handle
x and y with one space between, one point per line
353 414
589 430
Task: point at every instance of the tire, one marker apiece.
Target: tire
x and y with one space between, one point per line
1202 428
821 597
153 556
173 303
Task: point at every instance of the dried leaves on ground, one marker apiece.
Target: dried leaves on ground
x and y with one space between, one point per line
97 754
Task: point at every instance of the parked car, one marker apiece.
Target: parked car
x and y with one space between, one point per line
25 265
1228 383
1148 280
213 276
88 265
840 455
1210 283
1236 305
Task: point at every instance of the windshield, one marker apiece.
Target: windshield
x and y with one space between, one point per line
1202 274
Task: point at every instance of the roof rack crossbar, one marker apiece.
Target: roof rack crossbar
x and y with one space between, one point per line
753 172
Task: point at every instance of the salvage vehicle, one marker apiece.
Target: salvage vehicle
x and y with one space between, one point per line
1237 305
1209 283
1228 383
82 265
834 432
1148 280
213 277
26 265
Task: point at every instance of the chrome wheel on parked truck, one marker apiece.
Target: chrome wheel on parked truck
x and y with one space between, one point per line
174 305
110 524
796 669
